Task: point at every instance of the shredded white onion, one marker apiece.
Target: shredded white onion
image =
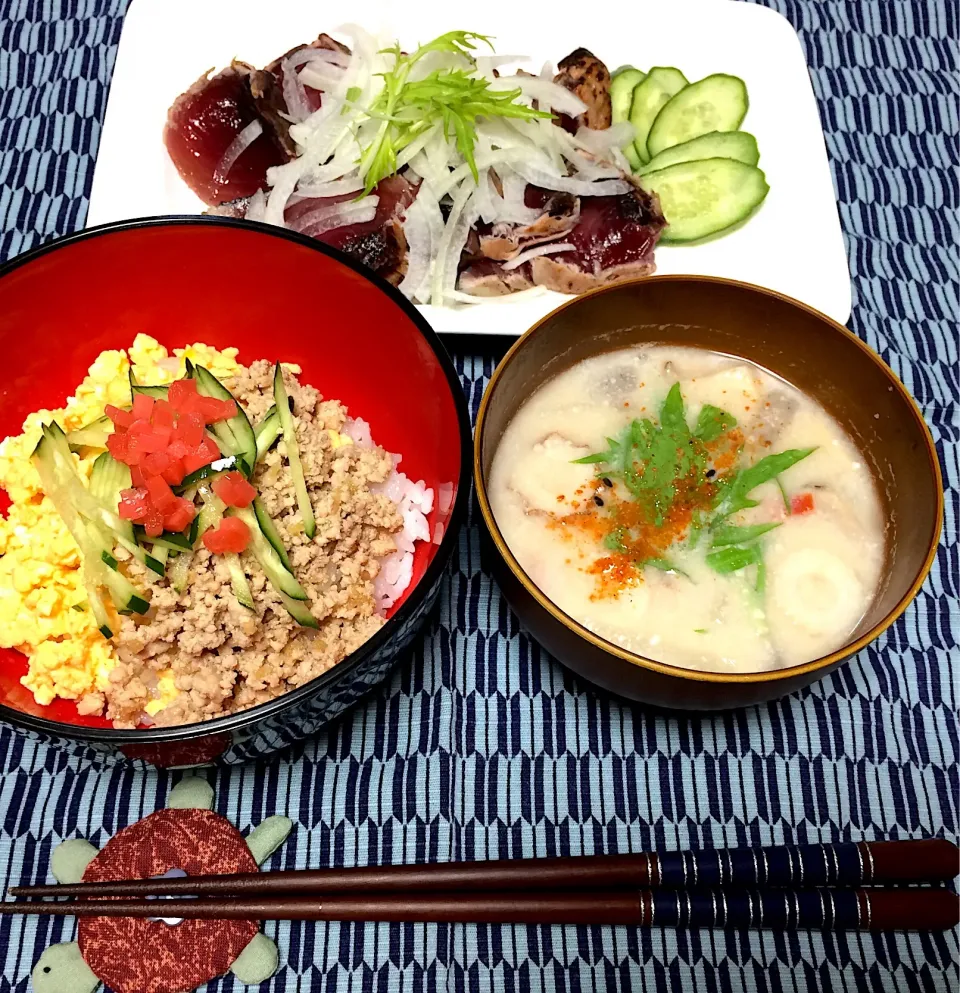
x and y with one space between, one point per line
568 184
544 91
416 230
334 188
256 206
320 76
600 142
294 94
535 252
327 217
236 148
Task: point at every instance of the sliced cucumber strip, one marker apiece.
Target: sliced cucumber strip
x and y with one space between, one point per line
716 103
61 484
238 581
92 435
161 555
649 96
107 478
267 432
622 86
99 609
228 464
718 145
235 436
174 541
293 453
280 577
702 198
271 533
211 513
179 571
299 611
123 592
157 392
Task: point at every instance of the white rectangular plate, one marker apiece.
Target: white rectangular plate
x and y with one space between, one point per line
792 244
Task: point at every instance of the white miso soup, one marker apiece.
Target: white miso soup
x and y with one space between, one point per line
691 507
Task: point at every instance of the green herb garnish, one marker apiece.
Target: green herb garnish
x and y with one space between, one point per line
735 495
733 558
713 422
662 463
699 630
733 534
452 97
652 460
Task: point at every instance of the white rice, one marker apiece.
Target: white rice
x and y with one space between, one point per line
415 502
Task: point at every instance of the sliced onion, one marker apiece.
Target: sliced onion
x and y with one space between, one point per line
569 184
547 71
236 148
514 207
334 188
601 141
532 253
409 152
487 63
330 55
416 230
544 91
483 161
320 77
294 94
327 217
256 206
451 244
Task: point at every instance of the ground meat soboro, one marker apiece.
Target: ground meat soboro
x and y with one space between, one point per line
224 657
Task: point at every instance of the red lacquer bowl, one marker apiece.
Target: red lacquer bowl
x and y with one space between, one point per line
274 295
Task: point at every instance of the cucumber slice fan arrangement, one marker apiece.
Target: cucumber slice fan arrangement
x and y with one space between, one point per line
688 149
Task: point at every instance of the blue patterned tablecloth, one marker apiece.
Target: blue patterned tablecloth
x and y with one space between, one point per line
482 746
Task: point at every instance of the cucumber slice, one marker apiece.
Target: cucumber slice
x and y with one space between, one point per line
92 435
702 198
267 432
236 436
293 453
299 611
238 581
717 145
622 86
716 103
649 96
270 532
280 577
123 592
157 392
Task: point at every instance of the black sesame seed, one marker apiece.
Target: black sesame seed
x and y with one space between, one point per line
607 482
46 968
711 473
597 501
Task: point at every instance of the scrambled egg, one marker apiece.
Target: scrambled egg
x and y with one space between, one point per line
43 609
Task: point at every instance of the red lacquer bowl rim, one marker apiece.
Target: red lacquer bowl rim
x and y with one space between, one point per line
414 599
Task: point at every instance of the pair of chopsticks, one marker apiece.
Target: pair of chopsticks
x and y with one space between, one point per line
846 886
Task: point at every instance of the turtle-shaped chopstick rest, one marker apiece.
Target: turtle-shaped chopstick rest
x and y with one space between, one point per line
140 955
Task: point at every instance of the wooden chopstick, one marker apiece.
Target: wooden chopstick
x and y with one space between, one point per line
847 864
820 909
